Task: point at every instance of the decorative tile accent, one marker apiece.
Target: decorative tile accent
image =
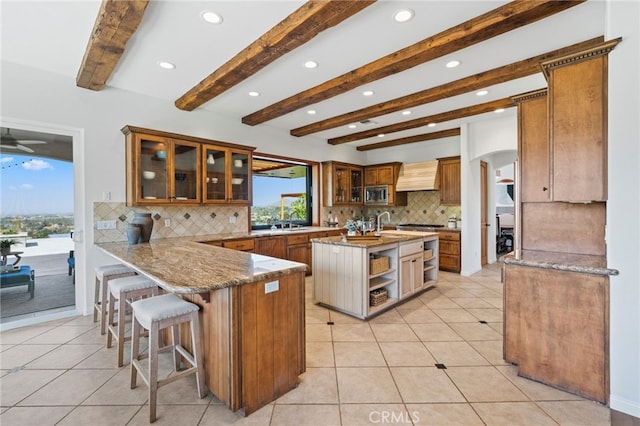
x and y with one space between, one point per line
122 218
187 216
157 216
213 215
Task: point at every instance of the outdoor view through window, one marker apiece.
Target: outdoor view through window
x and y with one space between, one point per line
281 193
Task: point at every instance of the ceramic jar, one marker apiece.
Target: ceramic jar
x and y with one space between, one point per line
145 223
133 233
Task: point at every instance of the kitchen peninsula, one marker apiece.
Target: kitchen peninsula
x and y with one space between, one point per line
252 313
364 276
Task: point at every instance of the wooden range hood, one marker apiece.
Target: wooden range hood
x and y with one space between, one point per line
418 177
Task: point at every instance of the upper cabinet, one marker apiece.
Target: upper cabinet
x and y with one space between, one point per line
449 171
577 111
227 175
385 175
342 183
166 168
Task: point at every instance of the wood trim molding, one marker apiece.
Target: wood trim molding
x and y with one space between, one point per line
529 95
132 129
305 23
116 22
498 21
412 139
423 121
600 50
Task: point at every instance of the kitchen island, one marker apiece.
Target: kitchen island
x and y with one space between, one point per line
251 312
364 276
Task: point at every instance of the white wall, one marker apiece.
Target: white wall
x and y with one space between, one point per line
623 206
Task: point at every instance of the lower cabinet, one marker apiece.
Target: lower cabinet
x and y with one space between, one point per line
274 246
246 244
410 274
450 249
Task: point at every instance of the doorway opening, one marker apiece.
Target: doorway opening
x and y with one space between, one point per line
37 215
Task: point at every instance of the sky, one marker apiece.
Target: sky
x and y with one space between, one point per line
266 191
32 185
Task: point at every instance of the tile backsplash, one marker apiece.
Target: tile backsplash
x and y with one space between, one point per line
184 220
422 207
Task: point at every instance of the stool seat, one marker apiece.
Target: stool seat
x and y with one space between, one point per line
125 290
155 314
103 274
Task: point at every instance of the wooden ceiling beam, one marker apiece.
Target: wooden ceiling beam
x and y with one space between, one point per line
424 121
298 28
493 23
411 139
482 80
116 22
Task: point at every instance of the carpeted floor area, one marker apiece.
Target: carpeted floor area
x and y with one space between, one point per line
51 291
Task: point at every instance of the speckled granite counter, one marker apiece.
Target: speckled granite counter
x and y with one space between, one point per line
183 265
587 264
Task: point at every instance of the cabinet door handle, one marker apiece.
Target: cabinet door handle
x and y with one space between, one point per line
544 188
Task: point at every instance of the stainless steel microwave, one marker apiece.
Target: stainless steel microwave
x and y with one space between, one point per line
378 194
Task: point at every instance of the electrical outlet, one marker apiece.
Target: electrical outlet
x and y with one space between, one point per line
271 286
167 223
106 196
106 224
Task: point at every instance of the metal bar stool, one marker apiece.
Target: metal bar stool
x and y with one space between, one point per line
100 293
155 314
125 290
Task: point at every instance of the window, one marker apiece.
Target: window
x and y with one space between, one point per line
281 193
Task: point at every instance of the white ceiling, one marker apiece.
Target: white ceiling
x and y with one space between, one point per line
52 35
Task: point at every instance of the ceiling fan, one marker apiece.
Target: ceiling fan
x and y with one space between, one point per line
8 141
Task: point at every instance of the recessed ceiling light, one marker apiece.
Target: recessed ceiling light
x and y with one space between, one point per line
254 94
403 15
381 135
431 125
499 110
453 64
482 92
311 112
311 64
352 126
211 17
368 93
166 65
406 112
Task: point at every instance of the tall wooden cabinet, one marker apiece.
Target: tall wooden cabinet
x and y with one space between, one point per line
450 180
342 183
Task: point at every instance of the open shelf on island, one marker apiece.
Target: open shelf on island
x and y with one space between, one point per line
379 282
388 271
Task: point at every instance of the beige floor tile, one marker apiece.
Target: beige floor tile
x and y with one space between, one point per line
360 332
452 414
471 302
70 388
442 302
455 354
305 415
473 331
488 315
367 385
316 386
117 391
423 315
21 355
23 334
318 333
455 293
406 354
340 318
103 358
65 356
317 316
60 335
415 303
425 384
454 315
498 327
101 415
485 292
491 350
512 414
16 386
435 332
358 354
219 415
484 384
393 333
368 414
496 302
535 390
89 338
41 416
584 413
320 354
4 347
390 317
183 391
171 415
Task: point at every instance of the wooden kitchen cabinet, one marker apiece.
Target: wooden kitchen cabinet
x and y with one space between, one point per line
161 169
342 183
245 244
168 168
450 180
227 175
274 246
385 174
299 247
450 251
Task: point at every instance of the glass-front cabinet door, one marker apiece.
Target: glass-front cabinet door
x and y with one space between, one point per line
153 170
348 185
227 175
185 176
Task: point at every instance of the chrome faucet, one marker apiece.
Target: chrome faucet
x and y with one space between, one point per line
291 214
379 228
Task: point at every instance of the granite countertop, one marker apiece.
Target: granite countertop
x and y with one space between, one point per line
587 264
184 265
388 237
